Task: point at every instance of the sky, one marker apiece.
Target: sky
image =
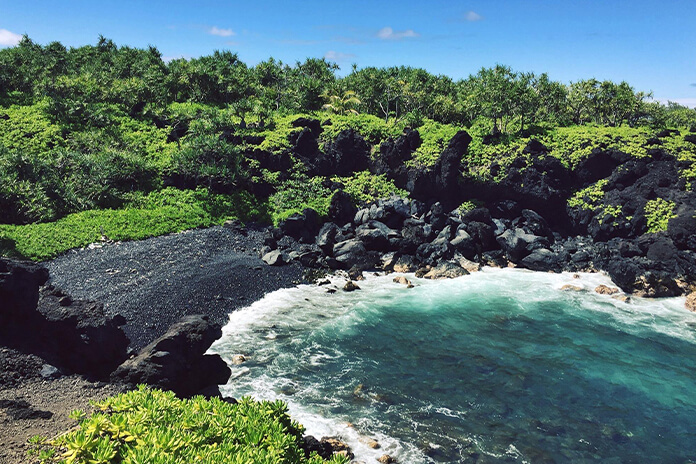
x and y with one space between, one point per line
650 44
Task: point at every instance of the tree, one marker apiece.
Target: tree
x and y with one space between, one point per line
342 104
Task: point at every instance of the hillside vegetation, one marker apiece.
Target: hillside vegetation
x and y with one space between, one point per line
107 142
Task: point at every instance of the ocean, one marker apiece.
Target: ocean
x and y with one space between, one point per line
502 365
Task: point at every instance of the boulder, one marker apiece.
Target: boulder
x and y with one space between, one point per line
690 302
690 138
605 290
77 334
463 243
446 270
517 243
301 226
535 147
347 154
326 238
470 266
406 263
312 124
403 280
350 286
542 259
71 334
431 253
352 252
177 361
541 183
19 288
309 444
482 234
393 155
376 235
386 459
338 447
414 233
306 145
274 258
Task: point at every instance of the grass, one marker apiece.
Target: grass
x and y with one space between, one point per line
156 214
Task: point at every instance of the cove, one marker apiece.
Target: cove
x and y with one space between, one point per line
498 366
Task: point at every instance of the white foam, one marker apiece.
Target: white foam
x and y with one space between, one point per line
263 331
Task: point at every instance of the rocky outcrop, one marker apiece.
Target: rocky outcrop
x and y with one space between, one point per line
177 361
74 335
526 220
19 289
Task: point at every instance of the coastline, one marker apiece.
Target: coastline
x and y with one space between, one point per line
37 399
152 284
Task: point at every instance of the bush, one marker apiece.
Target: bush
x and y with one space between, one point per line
436 137
658 212
205 160
365 187
148 426
373 129
297 194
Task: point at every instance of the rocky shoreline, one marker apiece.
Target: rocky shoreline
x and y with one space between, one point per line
532 214
59 348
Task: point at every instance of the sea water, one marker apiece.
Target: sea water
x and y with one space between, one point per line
498 366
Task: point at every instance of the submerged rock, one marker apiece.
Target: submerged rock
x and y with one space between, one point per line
403 280
446 270
690 302
605 290
350 286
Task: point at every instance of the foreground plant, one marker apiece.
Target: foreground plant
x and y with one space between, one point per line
148 426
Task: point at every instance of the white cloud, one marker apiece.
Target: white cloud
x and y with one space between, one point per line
472 16
221 32
387 33
338 56
9 39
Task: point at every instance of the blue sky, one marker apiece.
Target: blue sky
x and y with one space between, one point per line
650 44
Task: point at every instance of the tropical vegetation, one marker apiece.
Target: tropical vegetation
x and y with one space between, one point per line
113 141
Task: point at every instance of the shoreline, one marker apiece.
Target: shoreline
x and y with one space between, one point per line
152 283
37 399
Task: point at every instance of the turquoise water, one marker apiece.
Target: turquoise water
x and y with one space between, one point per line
498 366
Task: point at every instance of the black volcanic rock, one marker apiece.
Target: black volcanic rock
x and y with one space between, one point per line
177 361
19 288
341 209
71 334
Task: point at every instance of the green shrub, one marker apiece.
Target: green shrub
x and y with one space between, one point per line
29 129
365 187
658 212
148 426
373 129
206 159
39 188
590 197
297 194
436 137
